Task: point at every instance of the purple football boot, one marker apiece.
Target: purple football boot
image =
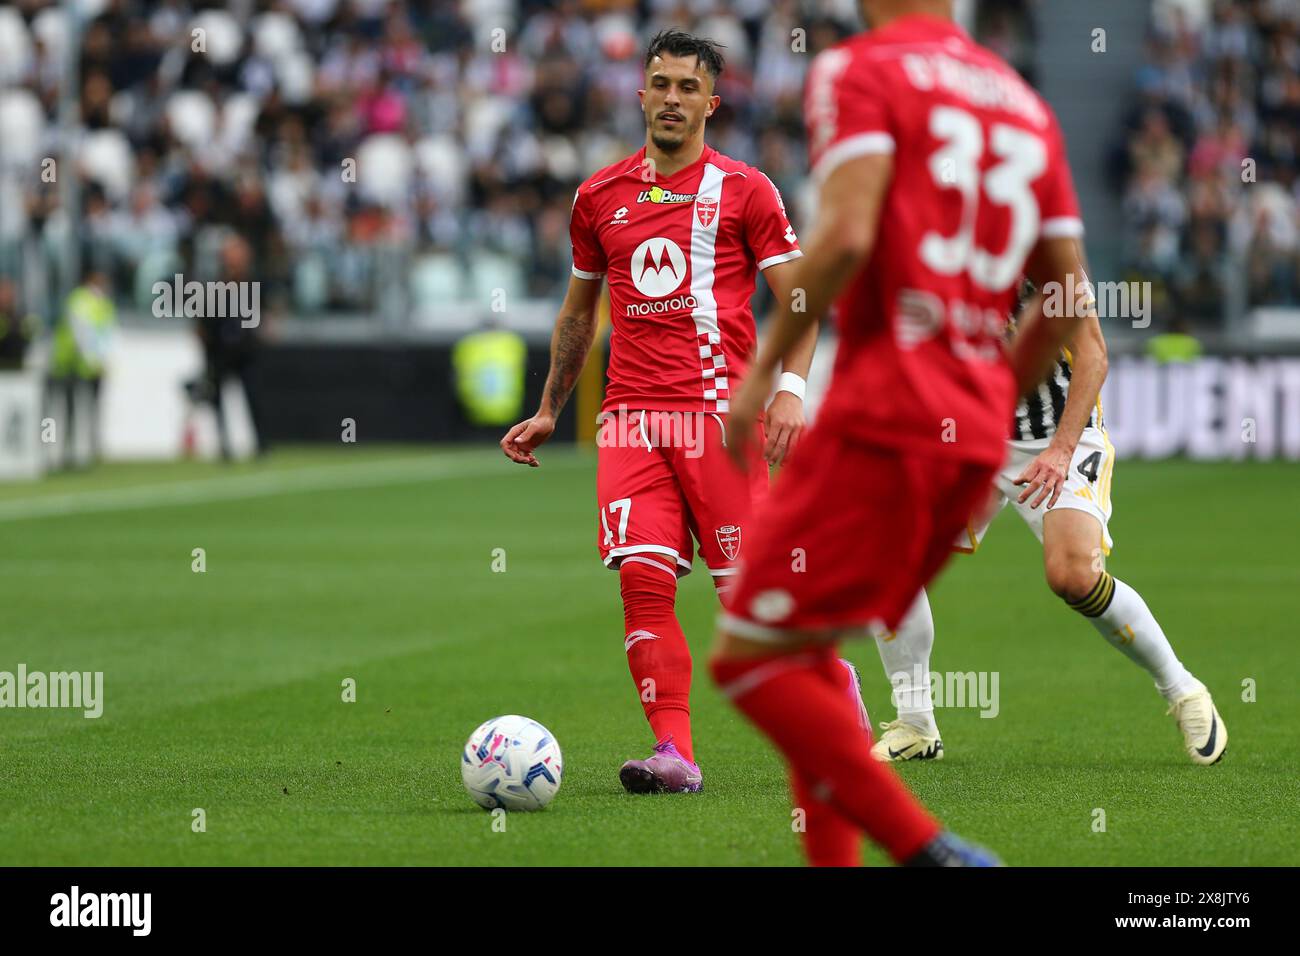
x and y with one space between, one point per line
666 771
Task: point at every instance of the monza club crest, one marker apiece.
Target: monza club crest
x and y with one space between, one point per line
706 209
729 540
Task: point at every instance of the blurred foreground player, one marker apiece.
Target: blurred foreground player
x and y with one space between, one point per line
916 126
680 231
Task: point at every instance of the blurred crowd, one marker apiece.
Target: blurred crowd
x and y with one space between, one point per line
1208 166
377 154
383 157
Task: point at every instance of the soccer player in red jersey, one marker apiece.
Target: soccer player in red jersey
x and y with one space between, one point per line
679 231
942 179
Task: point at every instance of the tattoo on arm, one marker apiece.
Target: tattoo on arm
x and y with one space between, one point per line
569 348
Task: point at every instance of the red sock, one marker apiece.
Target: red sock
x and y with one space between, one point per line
829 839
798 700
657 654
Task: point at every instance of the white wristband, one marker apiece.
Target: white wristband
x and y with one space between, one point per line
792 383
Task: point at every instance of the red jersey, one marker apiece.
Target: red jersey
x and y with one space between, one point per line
979 175
681 254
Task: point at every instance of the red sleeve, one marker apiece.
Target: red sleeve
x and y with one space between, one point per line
846 107
588 256
1058 205
768 232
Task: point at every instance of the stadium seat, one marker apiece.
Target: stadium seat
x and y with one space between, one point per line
222 35
14 223
384 165
22 126
15 46
105 156
159 265
311 282
238 117
436 279
192 116
484 119
51 27
296 74
493 271
275 35
441 163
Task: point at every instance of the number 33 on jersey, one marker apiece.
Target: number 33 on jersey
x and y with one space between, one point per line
979 177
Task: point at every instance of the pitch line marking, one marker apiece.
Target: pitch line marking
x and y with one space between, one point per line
240 487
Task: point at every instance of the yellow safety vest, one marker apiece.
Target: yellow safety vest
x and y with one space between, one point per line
81 337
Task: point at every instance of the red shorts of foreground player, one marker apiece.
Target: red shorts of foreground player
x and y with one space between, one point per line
851 533
663 477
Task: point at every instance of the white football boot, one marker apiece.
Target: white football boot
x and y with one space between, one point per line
902 741
1204 733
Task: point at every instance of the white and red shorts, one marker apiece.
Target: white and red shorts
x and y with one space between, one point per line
663 478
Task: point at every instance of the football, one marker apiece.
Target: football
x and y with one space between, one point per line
511 762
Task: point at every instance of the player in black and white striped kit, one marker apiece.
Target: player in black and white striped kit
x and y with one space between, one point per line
1058 478
1037 415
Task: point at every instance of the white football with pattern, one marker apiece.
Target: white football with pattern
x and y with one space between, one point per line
512 763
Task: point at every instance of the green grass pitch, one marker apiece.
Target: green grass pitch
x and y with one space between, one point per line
224 688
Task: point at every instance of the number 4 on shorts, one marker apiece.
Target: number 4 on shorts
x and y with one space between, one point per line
1090 466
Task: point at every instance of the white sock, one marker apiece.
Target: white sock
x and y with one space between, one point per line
1130 627
906 656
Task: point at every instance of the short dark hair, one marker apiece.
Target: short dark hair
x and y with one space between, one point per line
679 43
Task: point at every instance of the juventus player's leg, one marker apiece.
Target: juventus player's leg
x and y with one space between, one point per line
905 654
1073 565
1075 572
